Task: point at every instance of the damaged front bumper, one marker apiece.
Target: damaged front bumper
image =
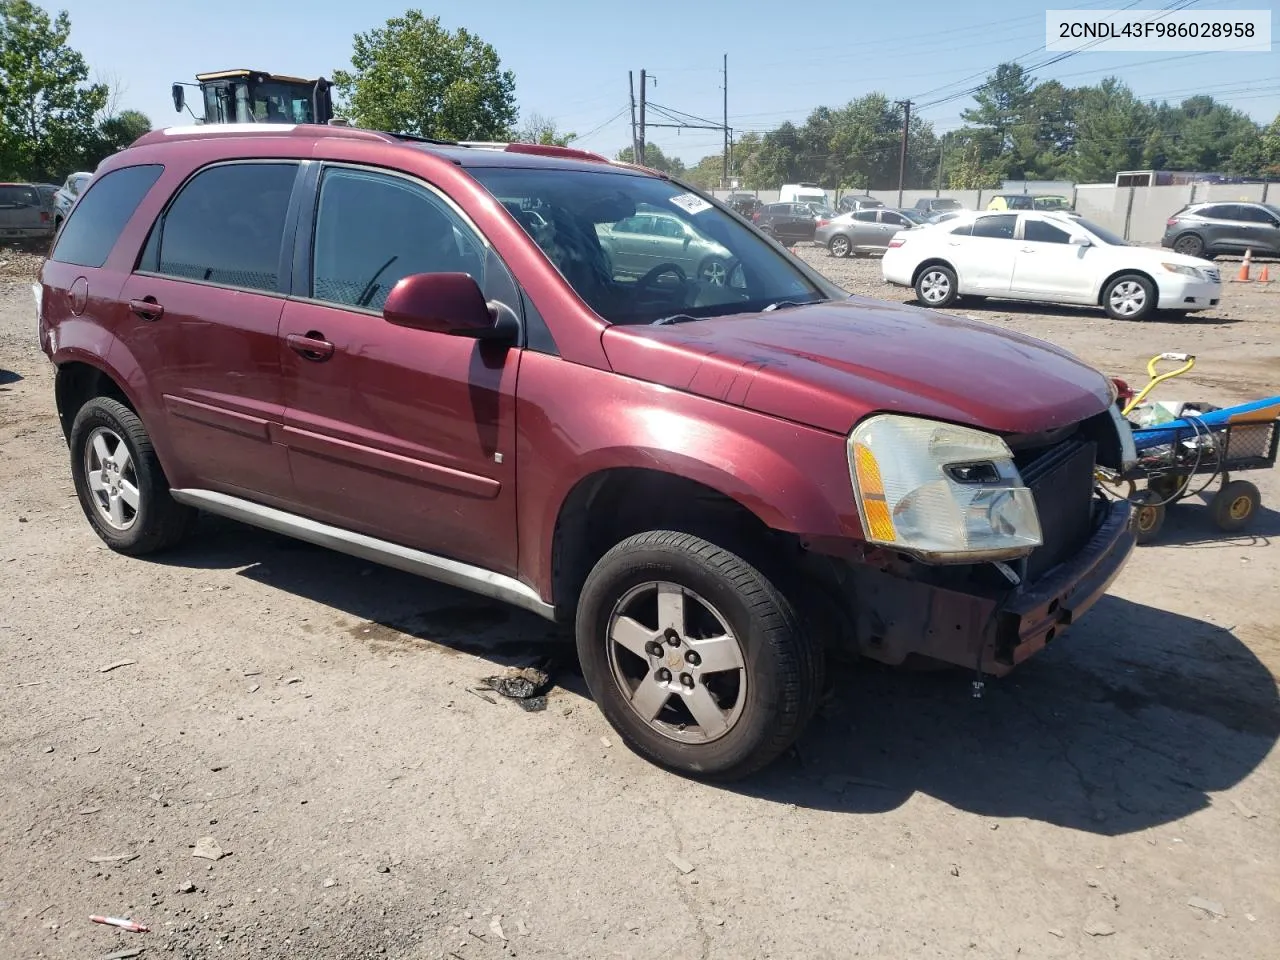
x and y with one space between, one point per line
971 619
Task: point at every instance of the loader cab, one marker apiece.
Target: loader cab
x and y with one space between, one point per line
252 96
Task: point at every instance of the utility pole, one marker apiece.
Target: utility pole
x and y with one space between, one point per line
631 85
939 190
902 162
724 179
640 145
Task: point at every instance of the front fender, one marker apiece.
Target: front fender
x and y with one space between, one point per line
575 422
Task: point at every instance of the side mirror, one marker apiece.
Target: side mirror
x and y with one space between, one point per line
1079 241
179 97
449 303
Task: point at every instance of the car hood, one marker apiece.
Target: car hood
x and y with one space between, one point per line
828 365
1147 257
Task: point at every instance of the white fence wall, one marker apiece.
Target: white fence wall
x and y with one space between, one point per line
1136 213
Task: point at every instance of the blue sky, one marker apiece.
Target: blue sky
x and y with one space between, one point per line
784 58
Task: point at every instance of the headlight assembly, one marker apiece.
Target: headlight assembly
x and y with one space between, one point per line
944 493
1186 271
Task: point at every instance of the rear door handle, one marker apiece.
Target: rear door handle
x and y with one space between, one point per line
310 346
146 308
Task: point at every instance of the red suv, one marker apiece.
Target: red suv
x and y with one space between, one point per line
420 353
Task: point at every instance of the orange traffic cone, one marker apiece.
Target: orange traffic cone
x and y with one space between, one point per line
1264 275
1245 264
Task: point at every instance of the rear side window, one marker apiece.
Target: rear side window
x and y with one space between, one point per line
225 226
1251 214
1217 212
963 230
16 196
865 216
1037 231
997 228
100 216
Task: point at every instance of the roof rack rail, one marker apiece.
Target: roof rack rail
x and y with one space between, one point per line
200 130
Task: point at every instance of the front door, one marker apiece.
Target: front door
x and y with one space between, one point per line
1049 266
400 434
203 321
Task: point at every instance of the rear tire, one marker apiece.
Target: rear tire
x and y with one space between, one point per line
647 609
937 286
839 246
121 486
1189 245
1235 505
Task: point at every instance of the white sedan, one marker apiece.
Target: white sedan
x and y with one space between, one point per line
1050 257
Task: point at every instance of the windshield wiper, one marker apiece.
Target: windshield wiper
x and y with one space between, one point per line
779 304
674 318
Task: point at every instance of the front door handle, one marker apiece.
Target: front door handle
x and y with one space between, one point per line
310 346
1028 249
146 308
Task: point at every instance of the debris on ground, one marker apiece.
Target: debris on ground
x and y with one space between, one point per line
116 666
525 685
681 864
1211 907
1243 810
955 869
1099 928
521 928
1054 931
187 887
495 927
123 954
207 849
130 925
118 858
482 695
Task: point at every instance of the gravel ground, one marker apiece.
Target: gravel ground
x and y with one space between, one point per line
314 716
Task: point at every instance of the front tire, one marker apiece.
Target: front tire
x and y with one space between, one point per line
1129 296
1189 245
937 286
695 658
1235 505
714 271
121 486
839 246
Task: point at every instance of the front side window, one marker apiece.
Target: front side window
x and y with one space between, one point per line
722 267
225 227
373 229
995 228
100 216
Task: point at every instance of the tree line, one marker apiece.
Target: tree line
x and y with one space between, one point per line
1017 129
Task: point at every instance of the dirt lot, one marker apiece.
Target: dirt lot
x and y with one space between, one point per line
1116 798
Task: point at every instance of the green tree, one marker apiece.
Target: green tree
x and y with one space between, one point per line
539 129
47 107
1114 129
998 124
654 158
1205 134
115 133
413 76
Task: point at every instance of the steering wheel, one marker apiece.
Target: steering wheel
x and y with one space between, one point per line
658 271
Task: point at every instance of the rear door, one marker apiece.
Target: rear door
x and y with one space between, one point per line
987 255
1262 233
864 230
1049 267
1229 230
204 317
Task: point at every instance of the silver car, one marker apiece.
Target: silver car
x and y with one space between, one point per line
865 231
66 196
648 239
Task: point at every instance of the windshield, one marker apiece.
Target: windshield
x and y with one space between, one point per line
915 216
1052 203
276 102
638 249
946 204
1102 233
18 196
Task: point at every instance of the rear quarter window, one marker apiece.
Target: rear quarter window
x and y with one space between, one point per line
99 217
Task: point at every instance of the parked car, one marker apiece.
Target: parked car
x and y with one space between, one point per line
1052 257
65 197
1210 229
1029 201
802 193
24 218
651 237
745 203
857 201
944 217
347 337
866 231
789 223
931 206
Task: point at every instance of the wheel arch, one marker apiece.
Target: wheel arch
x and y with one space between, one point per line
79 380
933 262
1117 274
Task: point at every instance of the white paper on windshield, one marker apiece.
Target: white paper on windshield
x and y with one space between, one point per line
691 203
